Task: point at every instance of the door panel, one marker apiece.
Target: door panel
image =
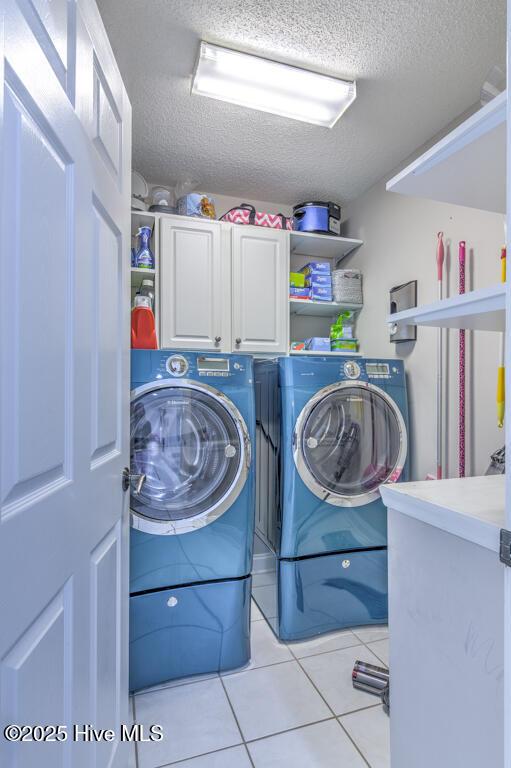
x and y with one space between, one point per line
192 287
105 636
52 25
35 459
260 276
108 297
64 379
47 644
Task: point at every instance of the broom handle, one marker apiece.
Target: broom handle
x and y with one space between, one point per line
461 426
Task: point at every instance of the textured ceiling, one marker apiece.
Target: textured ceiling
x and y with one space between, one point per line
418 65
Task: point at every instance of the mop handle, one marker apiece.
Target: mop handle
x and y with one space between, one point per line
501 371
461 445
439 414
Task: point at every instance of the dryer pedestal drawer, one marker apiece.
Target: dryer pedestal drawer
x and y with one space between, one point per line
329 592
189 630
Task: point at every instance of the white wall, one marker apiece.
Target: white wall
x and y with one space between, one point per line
400 235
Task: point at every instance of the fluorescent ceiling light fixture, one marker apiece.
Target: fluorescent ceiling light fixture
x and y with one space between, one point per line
269 86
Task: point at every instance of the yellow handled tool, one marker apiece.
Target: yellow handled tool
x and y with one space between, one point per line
501 371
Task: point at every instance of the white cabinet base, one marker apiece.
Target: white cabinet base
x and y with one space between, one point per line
446 617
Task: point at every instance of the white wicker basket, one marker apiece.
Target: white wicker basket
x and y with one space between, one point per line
347 286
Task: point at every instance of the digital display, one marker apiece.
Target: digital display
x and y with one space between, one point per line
377 369
205 364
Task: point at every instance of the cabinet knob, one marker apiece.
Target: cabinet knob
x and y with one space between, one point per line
218 339
238 341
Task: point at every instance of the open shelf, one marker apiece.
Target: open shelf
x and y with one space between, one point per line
481 310
466 167
337 353
472 508
320 308
322 246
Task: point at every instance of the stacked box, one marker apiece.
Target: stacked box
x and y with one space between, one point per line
318 344
296 280
344 344
299 293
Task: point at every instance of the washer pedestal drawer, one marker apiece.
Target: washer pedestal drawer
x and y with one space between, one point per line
189 630
330 592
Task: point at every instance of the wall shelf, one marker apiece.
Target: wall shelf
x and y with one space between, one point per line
338 353
481 310
322 246
320 308
466 167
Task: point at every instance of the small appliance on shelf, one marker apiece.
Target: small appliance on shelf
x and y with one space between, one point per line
162 197
315 216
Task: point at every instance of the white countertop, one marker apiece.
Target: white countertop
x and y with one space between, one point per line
472 508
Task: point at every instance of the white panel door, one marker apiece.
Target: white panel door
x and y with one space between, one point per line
194 284
260 280
65 124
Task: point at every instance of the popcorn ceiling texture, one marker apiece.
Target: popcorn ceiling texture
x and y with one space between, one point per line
417 64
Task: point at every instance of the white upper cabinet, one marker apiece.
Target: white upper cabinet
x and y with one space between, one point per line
194 285
260 276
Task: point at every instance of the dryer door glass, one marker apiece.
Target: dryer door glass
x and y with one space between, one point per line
351 441
190 449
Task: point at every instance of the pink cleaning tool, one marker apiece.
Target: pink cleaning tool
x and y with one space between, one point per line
440 360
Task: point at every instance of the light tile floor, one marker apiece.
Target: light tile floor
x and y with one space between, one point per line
293 705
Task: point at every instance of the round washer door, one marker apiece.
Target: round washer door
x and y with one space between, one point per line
349 439
192 444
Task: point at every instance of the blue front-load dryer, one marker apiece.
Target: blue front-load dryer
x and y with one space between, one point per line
192 513
330 432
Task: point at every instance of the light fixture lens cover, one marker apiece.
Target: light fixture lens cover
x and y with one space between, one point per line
269 86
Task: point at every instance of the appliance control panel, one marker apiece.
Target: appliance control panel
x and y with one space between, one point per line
378 370
177 365
213 366
352 369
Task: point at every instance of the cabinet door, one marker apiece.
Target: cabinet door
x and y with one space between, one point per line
192 286
260 276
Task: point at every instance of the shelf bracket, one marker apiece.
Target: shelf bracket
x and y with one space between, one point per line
505 547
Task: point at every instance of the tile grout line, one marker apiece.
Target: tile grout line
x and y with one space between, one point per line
241 670
202 754
213 676
332 711
236 720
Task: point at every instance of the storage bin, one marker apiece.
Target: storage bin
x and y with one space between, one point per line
347 286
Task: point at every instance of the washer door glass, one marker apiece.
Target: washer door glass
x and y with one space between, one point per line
351 441
188 446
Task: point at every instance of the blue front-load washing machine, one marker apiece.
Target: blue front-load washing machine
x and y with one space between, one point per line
330 432
192 513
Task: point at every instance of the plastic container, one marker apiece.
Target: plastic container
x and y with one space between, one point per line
143 329
196 204
350 345
144 257
147 289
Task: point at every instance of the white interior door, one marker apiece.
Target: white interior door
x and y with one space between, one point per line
260 280
64 378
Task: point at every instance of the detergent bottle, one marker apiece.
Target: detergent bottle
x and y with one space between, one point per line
143 330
